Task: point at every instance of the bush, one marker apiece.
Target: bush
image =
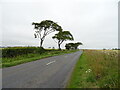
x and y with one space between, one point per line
16 51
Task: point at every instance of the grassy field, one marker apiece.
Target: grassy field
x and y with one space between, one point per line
7 62
96 69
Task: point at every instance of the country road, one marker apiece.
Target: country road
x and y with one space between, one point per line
52 72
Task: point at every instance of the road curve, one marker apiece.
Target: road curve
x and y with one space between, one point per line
52 72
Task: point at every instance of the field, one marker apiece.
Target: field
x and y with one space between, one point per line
96 69
12 57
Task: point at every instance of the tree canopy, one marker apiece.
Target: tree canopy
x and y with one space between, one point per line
44 28
62 36
73 45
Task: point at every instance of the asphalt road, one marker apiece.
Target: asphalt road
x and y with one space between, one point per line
52 72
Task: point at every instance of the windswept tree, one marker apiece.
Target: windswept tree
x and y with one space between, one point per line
73 45
62 36
44 28
77 44
69 46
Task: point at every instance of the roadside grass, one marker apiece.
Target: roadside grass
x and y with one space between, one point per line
96 69
8 62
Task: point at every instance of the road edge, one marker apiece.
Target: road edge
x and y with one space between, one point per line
70 73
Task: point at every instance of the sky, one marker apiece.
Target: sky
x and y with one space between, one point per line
92 22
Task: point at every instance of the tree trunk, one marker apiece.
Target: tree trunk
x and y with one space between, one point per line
59 46
41 42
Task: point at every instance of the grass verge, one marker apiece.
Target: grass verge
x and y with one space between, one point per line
96 69
8 62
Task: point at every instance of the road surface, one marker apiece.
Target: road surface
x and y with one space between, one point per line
52 72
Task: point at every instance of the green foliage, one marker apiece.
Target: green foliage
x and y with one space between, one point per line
47 24
73 45
16 51
91 78
63 36
44 28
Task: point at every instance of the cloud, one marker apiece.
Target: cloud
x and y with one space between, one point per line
92 22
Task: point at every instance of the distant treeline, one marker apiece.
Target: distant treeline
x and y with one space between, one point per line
112 49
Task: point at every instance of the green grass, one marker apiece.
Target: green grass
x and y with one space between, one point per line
8 62
95 69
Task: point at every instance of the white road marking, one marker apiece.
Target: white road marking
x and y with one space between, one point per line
66 56
50 62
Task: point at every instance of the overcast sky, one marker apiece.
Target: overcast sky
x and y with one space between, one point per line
92 22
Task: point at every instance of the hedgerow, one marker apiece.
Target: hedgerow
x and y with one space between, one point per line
16 51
